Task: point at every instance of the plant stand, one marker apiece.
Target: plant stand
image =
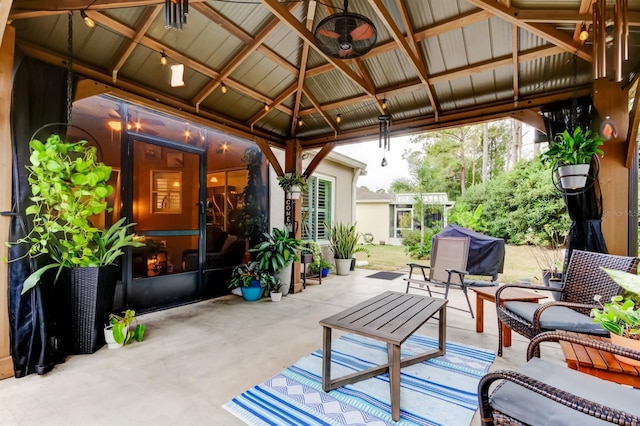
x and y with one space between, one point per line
89 293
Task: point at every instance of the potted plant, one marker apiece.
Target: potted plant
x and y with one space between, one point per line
276 255
548 255
311 249
621 316
343 239
293 184
68 189
252 280
322 267
118 332
571 155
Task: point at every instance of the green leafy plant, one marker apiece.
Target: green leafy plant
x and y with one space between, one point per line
343 239
621 316
311 247
120 322
68 187
243 274
323 264
276 251
290 180
570 149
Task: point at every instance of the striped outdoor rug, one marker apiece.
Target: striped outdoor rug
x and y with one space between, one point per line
441 391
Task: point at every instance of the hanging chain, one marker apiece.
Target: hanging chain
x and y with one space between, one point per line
70 68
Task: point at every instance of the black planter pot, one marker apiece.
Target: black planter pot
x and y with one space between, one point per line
89 295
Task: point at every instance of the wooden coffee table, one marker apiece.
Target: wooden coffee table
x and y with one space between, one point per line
599 363
390 317
508 295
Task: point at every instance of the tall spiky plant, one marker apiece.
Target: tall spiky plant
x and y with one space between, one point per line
343 239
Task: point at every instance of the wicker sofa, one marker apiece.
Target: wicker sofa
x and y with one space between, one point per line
545 393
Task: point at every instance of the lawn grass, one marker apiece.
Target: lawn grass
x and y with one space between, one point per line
519 262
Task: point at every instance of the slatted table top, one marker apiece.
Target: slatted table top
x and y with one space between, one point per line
391 316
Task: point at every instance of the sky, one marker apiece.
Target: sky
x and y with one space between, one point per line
379 177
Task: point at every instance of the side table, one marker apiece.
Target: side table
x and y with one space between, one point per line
508 295
599 363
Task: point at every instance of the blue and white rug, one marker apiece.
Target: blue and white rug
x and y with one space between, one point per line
440 391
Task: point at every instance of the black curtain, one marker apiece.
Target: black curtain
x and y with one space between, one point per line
38 98
584 206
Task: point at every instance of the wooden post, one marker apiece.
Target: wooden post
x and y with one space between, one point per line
610 102
293 164
6 65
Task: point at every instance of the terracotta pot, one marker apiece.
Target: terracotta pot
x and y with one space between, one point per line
627 343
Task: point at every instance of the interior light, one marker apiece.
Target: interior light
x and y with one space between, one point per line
384 104
225 146
338 119
187 134
213 179
266 108
177 75
176 184
300 122
163 58
584 34
87 21
138 125
223 88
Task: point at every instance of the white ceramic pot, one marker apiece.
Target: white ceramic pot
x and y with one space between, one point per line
574 176
294 192
285 278
343 266
276 296
108 337
627 343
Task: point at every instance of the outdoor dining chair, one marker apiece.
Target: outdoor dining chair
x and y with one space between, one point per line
583 280
447 267
547 393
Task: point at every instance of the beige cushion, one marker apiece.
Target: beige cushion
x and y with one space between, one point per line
227 242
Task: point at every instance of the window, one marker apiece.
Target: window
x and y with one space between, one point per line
317 208
166 192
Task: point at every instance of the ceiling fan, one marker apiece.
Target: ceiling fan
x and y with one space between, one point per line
345 35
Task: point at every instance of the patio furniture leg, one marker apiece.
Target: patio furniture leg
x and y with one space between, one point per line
394 379
326 359
500 338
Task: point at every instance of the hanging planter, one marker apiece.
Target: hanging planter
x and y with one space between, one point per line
293 184
574 176
571 154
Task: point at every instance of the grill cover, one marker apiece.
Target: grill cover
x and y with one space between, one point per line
486 254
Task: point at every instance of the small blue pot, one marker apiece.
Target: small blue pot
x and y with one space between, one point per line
253 292
324 272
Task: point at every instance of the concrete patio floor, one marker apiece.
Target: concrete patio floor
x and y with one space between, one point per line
197 357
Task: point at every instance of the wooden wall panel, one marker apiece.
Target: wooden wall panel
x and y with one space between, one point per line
6 64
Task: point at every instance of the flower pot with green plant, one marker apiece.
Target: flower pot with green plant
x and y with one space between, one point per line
323 267
343 240
69 189
252 280
293 184
571 155
276 253
119 331
621 316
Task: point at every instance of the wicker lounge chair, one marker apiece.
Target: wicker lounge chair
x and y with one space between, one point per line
583 280
447 268
545 393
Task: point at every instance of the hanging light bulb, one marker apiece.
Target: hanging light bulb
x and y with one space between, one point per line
300 122
223 88
163 58
338 119
266 107
384 104
584 34
87 21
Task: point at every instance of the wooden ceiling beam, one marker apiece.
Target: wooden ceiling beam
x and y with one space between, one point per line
317 159
546 31
515 47
411 41
321 110
237 60
565 16
453 23
128 45
277 102
414 60
281 12
311 13
448 120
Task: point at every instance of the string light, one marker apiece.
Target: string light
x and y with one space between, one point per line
338 119
266 107
300 122
87 20
584 34
223 88
163 58
384 104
